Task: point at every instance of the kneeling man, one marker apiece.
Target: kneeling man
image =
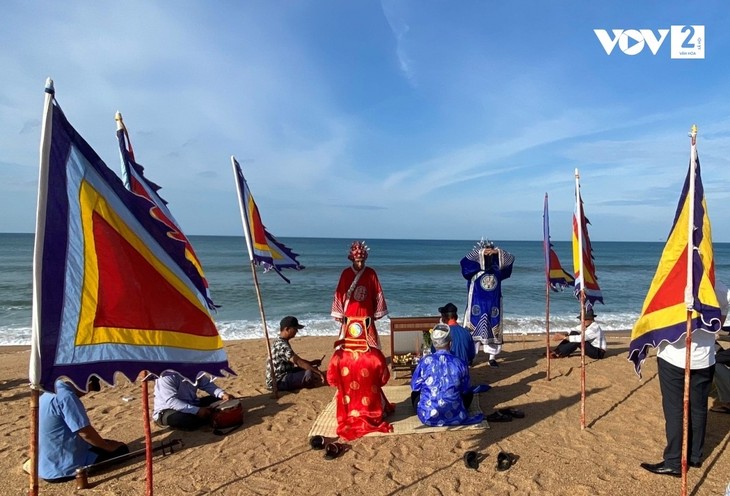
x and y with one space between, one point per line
441 387
359 373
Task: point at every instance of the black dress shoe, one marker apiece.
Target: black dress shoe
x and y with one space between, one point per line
661 469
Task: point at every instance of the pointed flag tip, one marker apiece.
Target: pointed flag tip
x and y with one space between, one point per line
49 86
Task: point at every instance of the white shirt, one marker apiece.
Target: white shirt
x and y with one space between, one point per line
594 335
702 351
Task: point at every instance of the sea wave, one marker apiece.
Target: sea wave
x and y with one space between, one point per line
252 329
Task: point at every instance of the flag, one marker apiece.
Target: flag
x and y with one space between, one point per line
664 313
583 266
263 248
557 278
136 182
112 291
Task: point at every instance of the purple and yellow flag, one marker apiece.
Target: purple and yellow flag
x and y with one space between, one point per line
557 278
583 262
672 293
112 290
136 182
263 248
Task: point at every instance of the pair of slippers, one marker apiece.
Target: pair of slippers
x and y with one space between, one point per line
504 460
331 450
505 415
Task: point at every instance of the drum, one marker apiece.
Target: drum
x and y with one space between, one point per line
226 414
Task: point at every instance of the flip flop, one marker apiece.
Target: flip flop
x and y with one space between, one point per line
505 461
333 450
720 409
471 460
316 442
512 412
481 388
498 417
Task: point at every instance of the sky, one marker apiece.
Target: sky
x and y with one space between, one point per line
392 119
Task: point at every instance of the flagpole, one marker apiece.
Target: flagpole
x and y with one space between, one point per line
546 249
34 366
143 374
689 302
247 235
579 219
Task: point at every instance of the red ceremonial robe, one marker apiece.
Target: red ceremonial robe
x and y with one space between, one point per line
365 300
359 378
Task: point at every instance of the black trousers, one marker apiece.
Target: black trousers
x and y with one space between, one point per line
671 384
185 421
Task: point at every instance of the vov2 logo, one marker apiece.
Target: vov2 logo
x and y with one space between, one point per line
687 41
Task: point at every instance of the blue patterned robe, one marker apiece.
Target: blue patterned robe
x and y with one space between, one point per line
484 275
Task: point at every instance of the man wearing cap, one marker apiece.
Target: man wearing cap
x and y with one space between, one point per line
66 438
462 344
595 340
359 294
292 372
359 373
441 387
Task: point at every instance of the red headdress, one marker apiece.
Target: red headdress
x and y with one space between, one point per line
358 250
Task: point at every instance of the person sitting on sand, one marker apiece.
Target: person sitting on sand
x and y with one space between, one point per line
66 438
595 340
177 404
441 387
722 380
359 372
291 371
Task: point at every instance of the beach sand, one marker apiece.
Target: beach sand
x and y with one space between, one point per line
270 454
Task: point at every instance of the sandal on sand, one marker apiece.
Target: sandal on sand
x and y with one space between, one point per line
498 417
512 412
333 450
316 442
720 409
471 459
505 461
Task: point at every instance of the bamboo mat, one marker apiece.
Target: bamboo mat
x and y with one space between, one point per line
403 420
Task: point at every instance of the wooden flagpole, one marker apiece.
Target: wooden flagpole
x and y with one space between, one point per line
579 220
689 301
147 436
143 374
34 367
546 249
247 235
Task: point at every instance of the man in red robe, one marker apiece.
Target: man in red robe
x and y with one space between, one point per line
359 294
359 373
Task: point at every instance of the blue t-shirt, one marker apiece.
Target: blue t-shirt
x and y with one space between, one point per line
61 449
442 378
462 345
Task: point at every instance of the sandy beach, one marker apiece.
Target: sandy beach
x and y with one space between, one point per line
270 454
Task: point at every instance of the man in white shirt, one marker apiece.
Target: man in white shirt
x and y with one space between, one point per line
595 340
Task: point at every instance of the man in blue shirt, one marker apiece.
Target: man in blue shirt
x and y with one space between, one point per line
462 344
441 387
66 439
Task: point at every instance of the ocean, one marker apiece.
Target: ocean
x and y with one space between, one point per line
417 276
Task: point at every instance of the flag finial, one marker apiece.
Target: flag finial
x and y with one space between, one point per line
693 133
118 118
